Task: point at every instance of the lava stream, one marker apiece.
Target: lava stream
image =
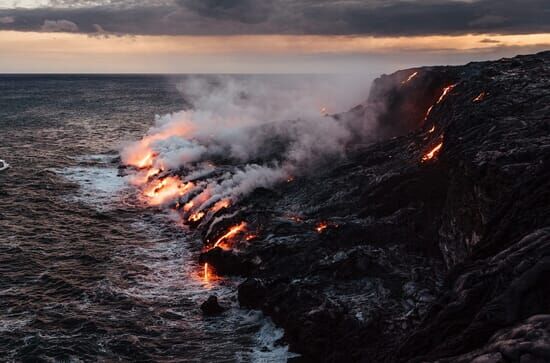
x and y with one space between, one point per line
233 231
432 153
410 78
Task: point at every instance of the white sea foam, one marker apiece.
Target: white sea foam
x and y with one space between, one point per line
98 185
3 165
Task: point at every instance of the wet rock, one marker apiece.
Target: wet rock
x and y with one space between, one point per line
252 293
227 262
211 307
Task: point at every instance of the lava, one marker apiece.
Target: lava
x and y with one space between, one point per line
410 78
433 152
206 271
195 217
250 237
445 92
142 160
188 206
222 204
165 190
479 97
321 226
432 129
296 219
141 154
233 231
428 112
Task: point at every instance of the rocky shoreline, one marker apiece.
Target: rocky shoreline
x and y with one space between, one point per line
393 255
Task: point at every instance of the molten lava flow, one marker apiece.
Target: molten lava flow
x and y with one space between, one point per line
410 78
296 219
142 160
444 94
250 237
233 231
165 190
321 226
432 129
143 177
188 206
222 204
428 112
433 152
480 97
195 217
141 155
206 272
290 179
446 91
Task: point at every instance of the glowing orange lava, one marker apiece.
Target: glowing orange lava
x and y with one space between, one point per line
140 154
321 226
432 129
410 78
233 231
480 97
206 272
446 91
430 155
250 237
188 206
166 190
428 112
222 204
195 217
142 161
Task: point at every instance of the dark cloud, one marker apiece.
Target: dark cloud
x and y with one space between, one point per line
335 17
7 20
244 11
64 26
489 41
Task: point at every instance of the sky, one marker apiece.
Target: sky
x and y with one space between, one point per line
254 36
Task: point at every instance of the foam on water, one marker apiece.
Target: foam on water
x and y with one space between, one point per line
171 271
3 165
98 186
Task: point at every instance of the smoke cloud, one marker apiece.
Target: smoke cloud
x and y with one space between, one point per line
243 133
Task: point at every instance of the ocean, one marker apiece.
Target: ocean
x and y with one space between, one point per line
86 273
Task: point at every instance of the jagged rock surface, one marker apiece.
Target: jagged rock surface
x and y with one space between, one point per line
444 260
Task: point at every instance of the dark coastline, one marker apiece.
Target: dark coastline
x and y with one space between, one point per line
443 260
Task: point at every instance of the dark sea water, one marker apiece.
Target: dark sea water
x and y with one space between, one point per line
86 274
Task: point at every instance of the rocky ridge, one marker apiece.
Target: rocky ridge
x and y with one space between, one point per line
391 255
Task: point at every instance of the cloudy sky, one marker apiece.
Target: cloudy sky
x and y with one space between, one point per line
256 36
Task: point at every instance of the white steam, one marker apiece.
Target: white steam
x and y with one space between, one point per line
243 133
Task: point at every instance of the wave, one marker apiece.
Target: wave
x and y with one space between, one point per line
4 165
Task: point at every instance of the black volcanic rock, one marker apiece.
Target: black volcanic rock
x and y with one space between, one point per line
445 259
211 306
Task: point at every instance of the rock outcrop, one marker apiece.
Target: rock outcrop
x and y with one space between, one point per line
432 243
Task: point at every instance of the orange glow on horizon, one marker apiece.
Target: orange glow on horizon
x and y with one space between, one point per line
74 53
